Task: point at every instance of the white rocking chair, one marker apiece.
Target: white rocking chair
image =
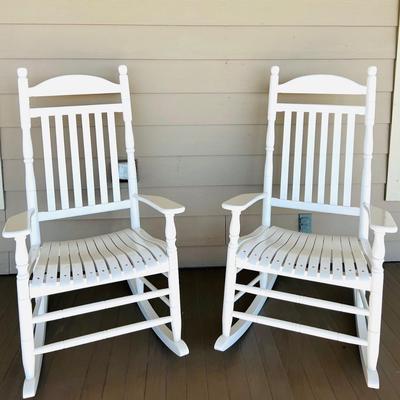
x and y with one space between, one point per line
128 255
336 260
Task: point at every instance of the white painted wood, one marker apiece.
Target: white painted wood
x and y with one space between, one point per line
285 154
78 109
73 85
87 143
381 221
109 333
269 148
101 158
365 196
62 170
129 255
112 139
297 156
294 327
100 305
48 164
337 260
301 205
18 225
348 167
76 170
305 300
310 157
322 84
335 158
322 157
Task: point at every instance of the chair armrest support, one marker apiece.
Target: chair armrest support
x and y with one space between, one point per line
242 202
161 204
380 221
18 225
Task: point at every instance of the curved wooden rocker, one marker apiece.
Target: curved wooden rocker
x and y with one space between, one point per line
346 261
60 266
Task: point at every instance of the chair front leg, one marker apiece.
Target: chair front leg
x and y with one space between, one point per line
230 274
173 277
375 300
25 308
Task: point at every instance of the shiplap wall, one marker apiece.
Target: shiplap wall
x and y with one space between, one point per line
199 77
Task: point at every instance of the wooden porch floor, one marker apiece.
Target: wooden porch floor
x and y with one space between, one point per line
266 364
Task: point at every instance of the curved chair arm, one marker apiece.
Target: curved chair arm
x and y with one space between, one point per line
380 220
242 202
18 225
161 204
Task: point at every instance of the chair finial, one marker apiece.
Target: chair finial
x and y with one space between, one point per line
123 69
372 70
275 70
22 72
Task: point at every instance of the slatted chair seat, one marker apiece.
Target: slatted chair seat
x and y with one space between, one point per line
113 257
337 260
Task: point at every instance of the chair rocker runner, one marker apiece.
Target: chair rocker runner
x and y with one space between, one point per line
60 266
336 260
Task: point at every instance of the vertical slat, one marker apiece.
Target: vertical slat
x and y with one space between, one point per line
76 169
322 157
348 167
62 169
65 264
101 157
337 132
297 156
48 164
310 157
113 156
76 263
52 265
326 258
285 154
87 144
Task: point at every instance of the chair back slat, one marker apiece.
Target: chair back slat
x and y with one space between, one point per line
348 166
298 150
48 163
317 158
322 157
62 168
76 168
112 138
337 131
87 146
287 126
310 157
101 157
80 146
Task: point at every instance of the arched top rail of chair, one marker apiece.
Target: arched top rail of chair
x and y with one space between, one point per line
68 85
322 84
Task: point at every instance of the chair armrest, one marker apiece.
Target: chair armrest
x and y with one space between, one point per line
242 201
161 204
18 225
381 220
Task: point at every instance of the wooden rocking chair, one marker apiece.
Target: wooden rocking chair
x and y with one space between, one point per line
336 260
60 266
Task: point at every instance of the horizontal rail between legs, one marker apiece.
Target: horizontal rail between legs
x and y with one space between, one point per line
149 285
308 301
109 333
299 328
100 305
